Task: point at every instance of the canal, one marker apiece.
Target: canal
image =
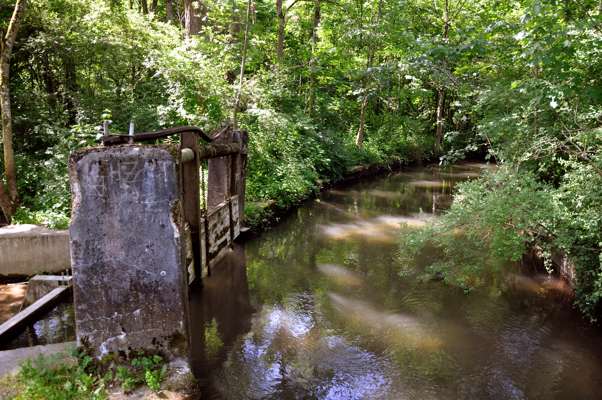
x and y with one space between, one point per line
317 308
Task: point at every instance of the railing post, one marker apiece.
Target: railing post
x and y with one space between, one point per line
241 173
218 181
191 198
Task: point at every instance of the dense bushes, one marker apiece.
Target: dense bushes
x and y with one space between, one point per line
537 104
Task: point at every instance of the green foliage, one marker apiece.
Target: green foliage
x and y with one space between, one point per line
114 63
53 378
492 221
213 342
496 219
81 377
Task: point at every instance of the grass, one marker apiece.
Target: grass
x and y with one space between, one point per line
60 377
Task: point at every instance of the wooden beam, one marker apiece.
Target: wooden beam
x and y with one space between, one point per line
218 150
26 317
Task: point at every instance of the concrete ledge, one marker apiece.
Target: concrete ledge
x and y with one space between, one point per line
11 360
27 250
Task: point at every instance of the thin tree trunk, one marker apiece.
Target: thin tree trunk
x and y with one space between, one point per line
243 61
50 83
440 120
144 5
71 89
359 138
312 62
192 18
281 22
441 92
154 4
8 194
169 11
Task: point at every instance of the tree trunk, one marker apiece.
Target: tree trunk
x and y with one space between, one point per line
312 62
440 120
9 198
71 88
192 18
169 11
281 22
441 92
144 5
154 4
243 61
50 83
359 138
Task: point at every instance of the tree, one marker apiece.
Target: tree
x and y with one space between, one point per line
169 11
280 37
313 56
282 13
9 198
441 91
192 17
243 61
372 43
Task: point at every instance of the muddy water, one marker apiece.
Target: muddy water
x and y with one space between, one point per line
316 308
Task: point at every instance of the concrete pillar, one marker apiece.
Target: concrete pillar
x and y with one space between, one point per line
127 250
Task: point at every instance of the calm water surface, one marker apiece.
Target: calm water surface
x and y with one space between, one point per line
316 309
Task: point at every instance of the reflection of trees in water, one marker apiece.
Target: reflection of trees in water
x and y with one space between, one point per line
220 312
57 326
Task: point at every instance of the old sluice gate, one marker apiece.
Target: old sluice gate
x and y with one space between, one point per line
148 221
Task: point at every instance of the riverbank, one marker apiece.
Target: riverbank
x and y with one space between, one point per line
261 216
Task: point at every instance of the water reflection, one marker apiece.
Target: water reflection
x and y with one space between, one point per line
56 326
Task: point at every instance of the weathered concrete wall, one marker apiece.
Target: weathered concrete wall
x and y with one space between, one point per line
30 249
130 284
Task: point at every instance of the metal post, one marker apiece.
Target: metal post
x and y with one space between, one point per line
131 133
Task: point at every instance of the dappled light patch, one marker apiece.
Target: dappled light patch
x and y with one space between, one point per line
401 329
426 184
341 275
381 229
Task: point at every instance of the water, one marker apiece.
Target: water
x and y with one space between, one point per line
56 326
316 308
